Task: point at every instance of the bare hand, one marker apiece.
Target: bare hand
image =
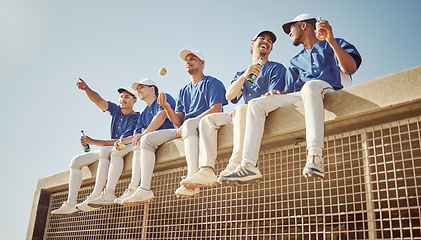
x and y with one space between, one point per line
271 93
117 144
136 138
162 100
82 84
178 133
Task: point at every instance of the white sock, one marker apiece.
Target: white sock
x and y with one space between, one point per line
191 148
135 169
245 161
75 180
147 162
101 176
318 150
116 168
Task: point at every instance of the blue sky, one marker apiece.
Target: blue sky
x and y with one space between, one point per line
45 46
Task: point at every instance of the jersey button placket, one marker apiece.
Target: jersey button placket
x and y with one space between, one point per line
313 66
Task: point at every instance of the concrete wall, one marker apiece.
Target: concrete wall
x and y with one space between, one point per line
386 99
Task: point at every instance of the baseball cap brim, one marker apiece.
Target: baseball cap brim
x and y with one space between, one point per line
303 17
145 81
185 52
120 90
271 34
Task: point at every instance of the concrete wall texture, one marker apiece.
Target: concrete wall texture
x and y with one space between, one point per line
372 189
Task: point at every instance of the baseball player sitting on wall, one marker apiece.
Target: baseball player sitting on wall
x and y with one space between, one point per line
314 72
269 77
122 126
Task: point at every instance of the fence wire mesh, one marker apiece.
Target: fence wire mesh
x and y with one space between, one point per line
372 190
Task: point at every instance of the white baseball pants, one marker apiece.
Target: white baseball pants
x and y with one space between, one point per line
312 94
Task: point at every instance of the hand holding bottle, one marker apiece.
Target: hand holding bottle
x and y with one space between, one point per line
324 30
255 71
83 141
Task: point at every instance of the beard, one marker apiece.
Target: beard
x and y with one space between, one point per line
296 41
263 53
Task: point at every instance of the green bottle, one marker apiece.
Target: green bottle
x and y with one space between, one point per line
253 77
86 147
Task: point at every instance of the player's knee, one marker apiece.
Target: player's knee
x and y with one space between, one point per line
190 127
116 154
105 152
311 87
241 108
253 104
207 121
147 144
77 163
240 111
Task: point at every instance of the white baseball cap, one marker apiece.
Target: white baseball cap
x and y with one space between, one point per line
129 90
145 81
271 34
303 17
185 52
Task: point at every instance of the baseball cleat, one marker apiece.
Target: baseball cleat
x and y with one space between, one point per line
205 177
140 196
183 192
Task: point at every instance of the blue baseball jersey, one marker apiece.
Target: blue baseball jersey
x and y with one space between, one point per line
149 113
319 63
122 126
271 77
193 100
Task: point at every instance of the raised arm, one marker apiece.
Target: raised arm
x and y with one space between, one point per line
345 60
92 95
235 88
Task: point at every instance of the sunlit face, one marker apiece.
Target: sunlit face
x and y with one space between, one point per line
144 91
193 64
262 44
126 100
296 33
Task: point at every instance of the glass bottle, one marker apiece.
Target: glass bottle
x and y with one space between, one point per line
253 77
321 33
86 147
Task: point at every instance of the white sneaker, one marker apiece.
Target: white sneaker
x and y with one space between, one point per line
314 166
229 169
65 209
205 177
183 192
106 199
247 174
129 191
83 206
140 196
